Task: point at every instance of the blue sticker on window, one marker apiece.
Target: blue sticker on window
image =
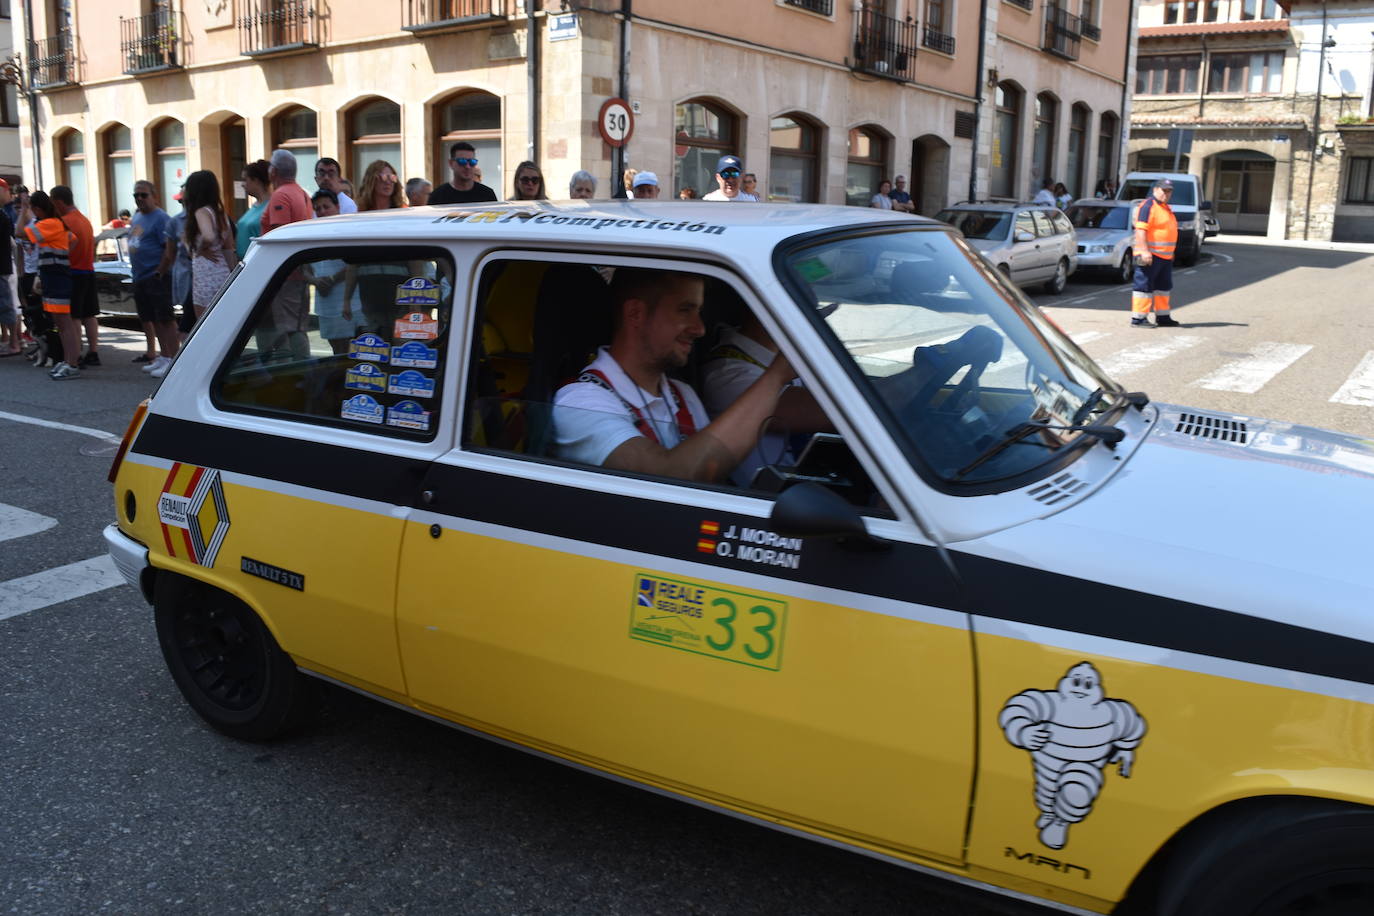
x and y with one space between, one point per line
412 383
362 407
407 415
369 347
416 355
418 291
365 377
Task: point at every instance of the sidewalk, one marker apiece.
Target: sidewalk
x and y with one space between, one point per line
1362 247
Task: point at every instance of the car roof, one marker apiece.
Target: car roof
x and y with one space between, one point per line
1000 205
1101 202
702 226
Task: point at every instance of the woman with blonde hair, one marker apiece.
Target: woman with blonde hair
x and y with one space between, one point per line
381 189
529 182
210 238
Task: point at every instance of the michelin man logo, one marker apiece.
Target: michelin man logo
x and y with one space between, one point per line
1073 734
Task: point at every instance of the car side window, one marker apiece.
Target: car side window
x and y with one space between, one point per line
1024 222
1043 227
1062 225
557 375
353 338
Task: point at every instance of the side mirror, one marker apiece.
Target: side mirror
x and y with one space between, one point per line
1025 235
809 510
1206 205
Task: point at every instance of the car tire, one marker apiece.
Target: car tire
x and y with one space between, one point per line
1005 271
1296 856
1189 257
1055 285
1125 272
226 662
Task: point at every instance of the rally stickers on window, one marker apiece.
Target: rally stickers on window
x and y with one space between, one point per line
407 415
365 377
411 382
415 355
363 408
371 347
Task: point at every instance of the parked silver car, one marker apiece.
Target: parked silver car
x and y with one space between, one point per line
1104 235
1030 243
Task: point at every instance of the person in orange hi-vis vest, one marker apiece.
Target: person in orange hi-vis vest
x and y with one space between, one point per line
1156 236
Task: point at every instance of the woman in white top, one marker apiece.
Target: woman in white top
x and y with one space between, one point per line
210 238
882 200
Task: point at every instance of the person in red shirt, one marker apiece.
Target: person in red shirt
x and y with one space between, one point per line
85 303
289 202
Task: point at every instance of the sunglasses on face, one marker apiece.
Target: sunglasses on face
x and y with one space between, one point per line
139 195
730 173
465 162
528 179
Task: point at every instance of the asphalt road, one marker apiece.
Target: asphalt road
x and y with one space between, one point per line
117 799
1294 324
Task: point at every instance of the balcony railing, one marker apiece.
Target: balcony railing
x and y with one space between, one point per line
937 40
824 7
1091 31
434 15
52 61
885 46
150 43
1062 30
1026 5
274 26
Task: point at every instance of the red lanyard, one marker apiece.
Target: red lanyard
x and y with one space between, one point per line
646 428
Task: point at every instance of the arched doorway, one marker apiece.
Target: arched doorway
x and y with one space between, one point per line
1244 190
929 174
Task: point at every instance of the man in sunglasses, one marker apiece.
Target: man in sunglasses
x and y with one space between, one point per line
464 188
728 170
149 230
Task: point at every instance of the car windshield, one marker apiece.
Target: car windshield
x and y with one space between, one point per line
952 354
1091 216
1139 188
978 224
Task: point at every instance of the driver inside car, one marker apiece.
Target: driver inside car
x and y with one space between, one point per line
624 413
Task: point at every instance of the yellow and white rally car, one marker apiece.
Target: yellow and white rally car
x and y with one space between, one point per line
978 610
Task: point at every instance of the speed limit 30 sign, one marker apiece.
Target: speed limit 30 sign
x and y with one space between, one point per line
616 122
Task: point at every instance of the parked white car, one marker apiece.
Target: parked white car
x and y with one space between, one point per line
1105 236
1029 243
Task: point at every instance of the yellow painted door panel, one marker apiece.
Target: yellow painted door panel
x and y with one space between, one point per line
849 722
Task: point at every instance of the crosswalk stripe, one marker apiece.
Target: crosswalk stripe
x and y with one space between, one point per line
1133 359
17 523
1253 372
1358 389
53 424
1088 337
53 586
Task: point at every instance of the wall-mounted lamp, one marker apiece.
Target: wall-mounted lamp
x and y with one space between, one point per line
993 79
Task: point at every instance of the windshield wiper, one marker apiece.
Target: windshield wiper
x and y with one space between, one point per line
1108 434
1087 406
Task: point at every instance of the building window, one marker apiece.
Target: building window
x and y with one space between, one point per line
1106 147
9 105
117 144
169 146
1359 184
476 118
296 130
71 150
1174 74
1257 73
1002 174
1075 178
4 9
1259 9
866 167
703 131
792 159
374 132
1046 124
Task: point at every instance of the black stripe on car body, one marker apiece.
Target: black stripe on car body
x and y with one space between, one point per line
912 573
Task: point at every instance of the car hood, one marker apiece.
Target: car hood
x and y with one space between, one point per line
1257 516
1087 236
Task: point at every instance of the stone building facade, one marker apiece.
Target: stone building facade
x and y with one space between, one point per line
1250 79
821 98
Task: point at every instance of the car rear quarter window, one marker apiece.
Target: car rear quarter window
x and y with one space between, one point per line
1044 228
1061 222
353 338
1025 222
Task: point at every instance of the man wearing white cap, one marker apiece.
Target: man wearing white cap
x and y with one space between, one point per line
645 186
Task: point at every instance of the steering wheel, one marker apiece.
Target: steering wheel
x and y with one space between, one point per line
977 348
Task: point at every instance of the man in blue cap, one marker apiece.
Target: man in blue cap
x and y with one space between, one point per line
728 169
